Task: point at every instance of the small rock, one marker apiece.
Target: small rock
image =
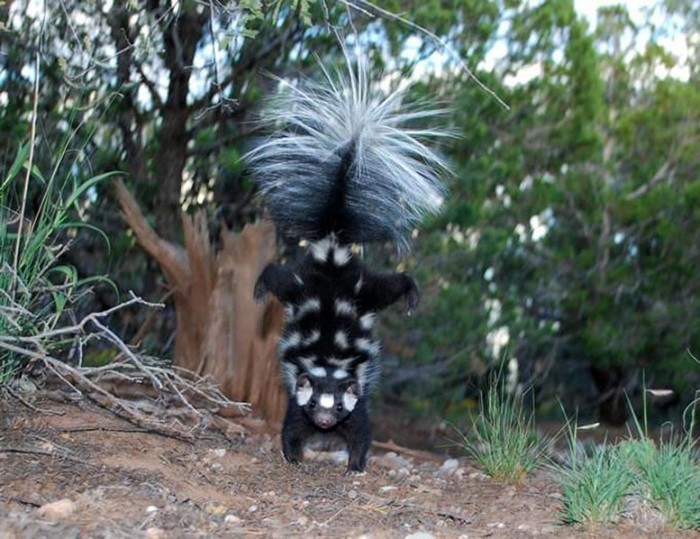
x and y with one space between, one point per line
420 535
155 533
387 488
215 509
231 519
58 509
449 466
499 525
151 509
352 494
218 453
303 520
216 467
253 508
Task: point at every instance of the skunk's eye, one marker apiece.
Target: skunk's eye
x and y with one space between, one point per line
312 403
339 407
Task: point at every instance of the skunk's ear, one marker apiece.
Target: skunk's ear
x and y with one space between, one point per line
351 394
304 380
304 390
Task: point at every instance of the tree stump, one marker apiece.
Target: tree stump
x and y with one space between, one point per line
222 332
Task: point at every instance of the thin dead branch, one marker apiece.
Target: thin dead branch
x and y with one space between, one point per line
158 398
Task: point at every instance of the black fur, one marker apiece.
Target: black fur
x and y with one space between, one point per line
311 294
344 165
352 427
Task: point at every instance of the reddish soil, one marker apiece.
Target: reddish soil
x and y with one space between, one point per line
124 482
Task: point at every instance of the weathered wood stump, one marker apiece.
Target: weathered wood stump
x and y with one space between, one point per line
221 331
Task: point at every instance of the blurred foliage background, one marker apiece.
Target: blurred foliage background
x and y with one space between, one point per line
570 239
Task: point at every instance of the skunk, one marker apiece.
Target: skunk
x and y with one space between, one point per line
323 404
345 165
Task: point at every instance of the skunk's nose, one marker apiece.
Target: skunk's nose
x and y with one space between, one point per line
325 422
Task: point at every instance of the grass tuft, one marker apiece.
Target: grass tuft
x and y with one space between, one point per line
503 439
594 486
638 478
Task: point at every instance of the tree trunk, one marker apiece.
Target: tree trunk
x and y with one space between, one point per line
221 331
612 403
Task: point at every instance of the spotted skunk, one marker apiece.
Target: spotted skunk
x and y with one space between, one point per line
325 403
345 165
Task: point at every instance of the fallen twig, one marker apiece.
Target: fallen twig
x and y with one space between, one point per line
29 405
393 446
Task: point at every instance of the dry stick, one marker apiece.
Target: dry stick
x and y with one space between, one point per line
116 405
30 405
109 334
148 323
392 446
30 451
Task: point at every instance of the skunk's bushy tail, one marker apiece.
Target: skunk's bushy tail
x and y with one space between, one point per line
346 159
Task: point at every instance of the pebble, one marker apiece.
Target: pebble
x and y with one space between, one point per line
253 508
58 509
499 525
231 519
352 494
151 509
218 453
303 520
388 488
420 535
449 466
155 533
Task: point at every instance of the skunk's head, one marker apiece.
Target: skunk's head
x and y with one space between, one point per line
325 400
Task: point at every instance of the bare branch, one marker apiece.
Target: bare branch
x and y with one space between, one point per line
373 8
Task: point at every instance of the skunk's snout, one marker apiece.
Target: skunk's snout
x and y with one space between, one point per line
325 421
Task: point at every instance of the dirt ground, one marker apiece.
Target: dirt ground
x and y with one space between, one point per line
123 482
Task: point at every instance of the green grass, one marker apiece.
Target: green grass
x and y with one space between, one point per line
594 486
638 478
35 289
503 439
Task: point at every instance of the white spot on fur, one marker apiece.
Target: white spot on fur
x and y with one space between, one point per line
298 279
340 362
367 321
290 372
326 400
290 341
319 249
298 312
309 362
304 394
358 285
318 372
339 374
341 340
313 337
309 306
289 311
344 307
341 256
367 345
349 400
